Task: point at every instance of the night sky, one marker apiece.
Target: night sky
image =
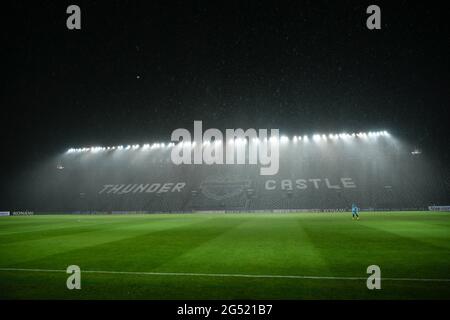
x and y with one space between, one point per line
137 70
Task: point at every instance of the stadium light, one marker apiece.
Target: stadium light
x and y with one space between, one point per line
362 135
238 141
241 141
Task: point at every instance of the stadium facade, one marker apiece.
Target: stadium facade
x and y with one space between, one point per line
327 173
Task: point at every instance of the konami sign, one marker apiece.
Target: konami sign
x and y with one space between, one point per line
302 184
141 188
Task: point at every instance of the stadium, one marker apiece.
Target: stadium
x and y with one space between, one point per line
235 152
130 218
319 172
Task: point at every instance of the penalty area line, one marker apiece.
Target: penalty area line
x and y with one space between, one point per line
227 275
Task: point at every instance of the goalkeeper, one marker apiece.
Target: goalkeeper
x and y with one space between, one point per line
355 211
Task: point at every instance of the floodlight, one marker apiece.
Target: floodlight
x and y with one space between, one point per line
273 139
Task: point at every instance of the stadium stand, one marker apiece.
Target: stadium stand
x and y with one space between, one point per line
380 174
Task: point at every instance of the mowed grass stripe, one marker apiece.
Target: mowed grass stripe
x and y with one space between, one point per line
323 245
46 248
143 248
427 232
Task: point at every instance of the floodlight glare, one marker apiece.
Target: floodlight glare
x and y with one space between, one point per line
238 141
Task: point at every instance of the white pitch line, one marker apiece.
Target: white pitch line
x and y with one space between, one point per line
236 275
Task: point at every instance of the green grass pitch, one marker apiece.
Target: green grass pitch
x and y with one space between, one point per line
413 245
